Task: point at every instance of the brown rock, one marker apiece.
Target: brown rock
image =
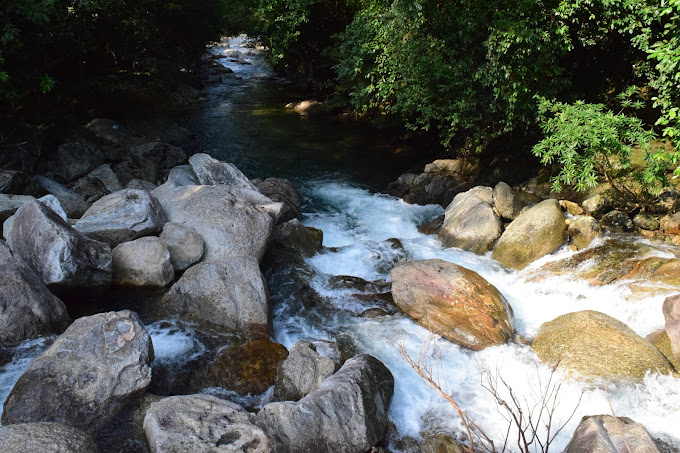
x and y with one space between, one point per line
660 341
671 312
454 302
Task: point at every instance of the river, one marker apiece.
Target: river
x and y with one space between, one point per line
339 168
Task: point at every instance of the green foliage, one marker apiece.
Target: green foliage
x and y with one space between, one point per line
589 143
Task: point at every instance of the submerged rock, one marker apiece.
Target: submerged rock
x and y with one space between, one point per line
45 438
27 308
347 413
62 256
596 345
122 216
302 372
282 190
87 376
203 424
142 262
538 231
607 434
186 246
453 302
470 222
231 295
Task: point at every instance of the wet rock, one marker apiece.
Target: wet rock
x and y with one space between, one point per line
74 205
506 201
87 376
454 302
433 226
140 184
441 181
27 308
660 340
302 372
10 203
282 190
203 423
122 216
618 221
571 207
441 443
646 222
186 246
232 222
347 413
470 222
231 295
537 231
583 230
606 434
211 171
304 240
62 256
45 438
246 368
142 262
99 182
672 224
596 345
77 159
671 313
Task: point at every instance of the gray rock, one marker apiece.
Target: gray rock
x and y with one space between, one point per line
646 222
10 203
48 200
671 313
211 171
302 372
231 295
596 204
27 308
109 131
45 438
470 222
618 221
77 159
141 185
74 205
122 216
159 128
348 413
537 231
606 434
179 176
148 161
583 230
203 424
17 182
185 245
292 234
87 376
99 182
142 262
62 256
506 201
282 190
232 221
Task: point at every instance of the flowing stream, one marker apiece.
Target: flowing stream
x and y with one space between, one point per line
338 168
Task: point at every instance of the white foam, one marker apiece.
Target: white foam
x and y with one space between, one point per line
174 341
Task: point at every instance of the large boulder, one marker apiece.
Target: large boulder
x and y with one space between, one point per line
27 308
231 295
62 256
593 344
186 246
660 340
211 171
282 190
583 230
48 200
74 205
302 372
180 176
607 434
347 413
454 302
122 216
671 312
232 221
506 201
470 222
87 376
203 424
538 231
99 182
142 262
45 438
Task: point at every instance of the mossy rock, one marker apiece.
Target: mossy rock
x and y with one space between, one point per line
593 344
